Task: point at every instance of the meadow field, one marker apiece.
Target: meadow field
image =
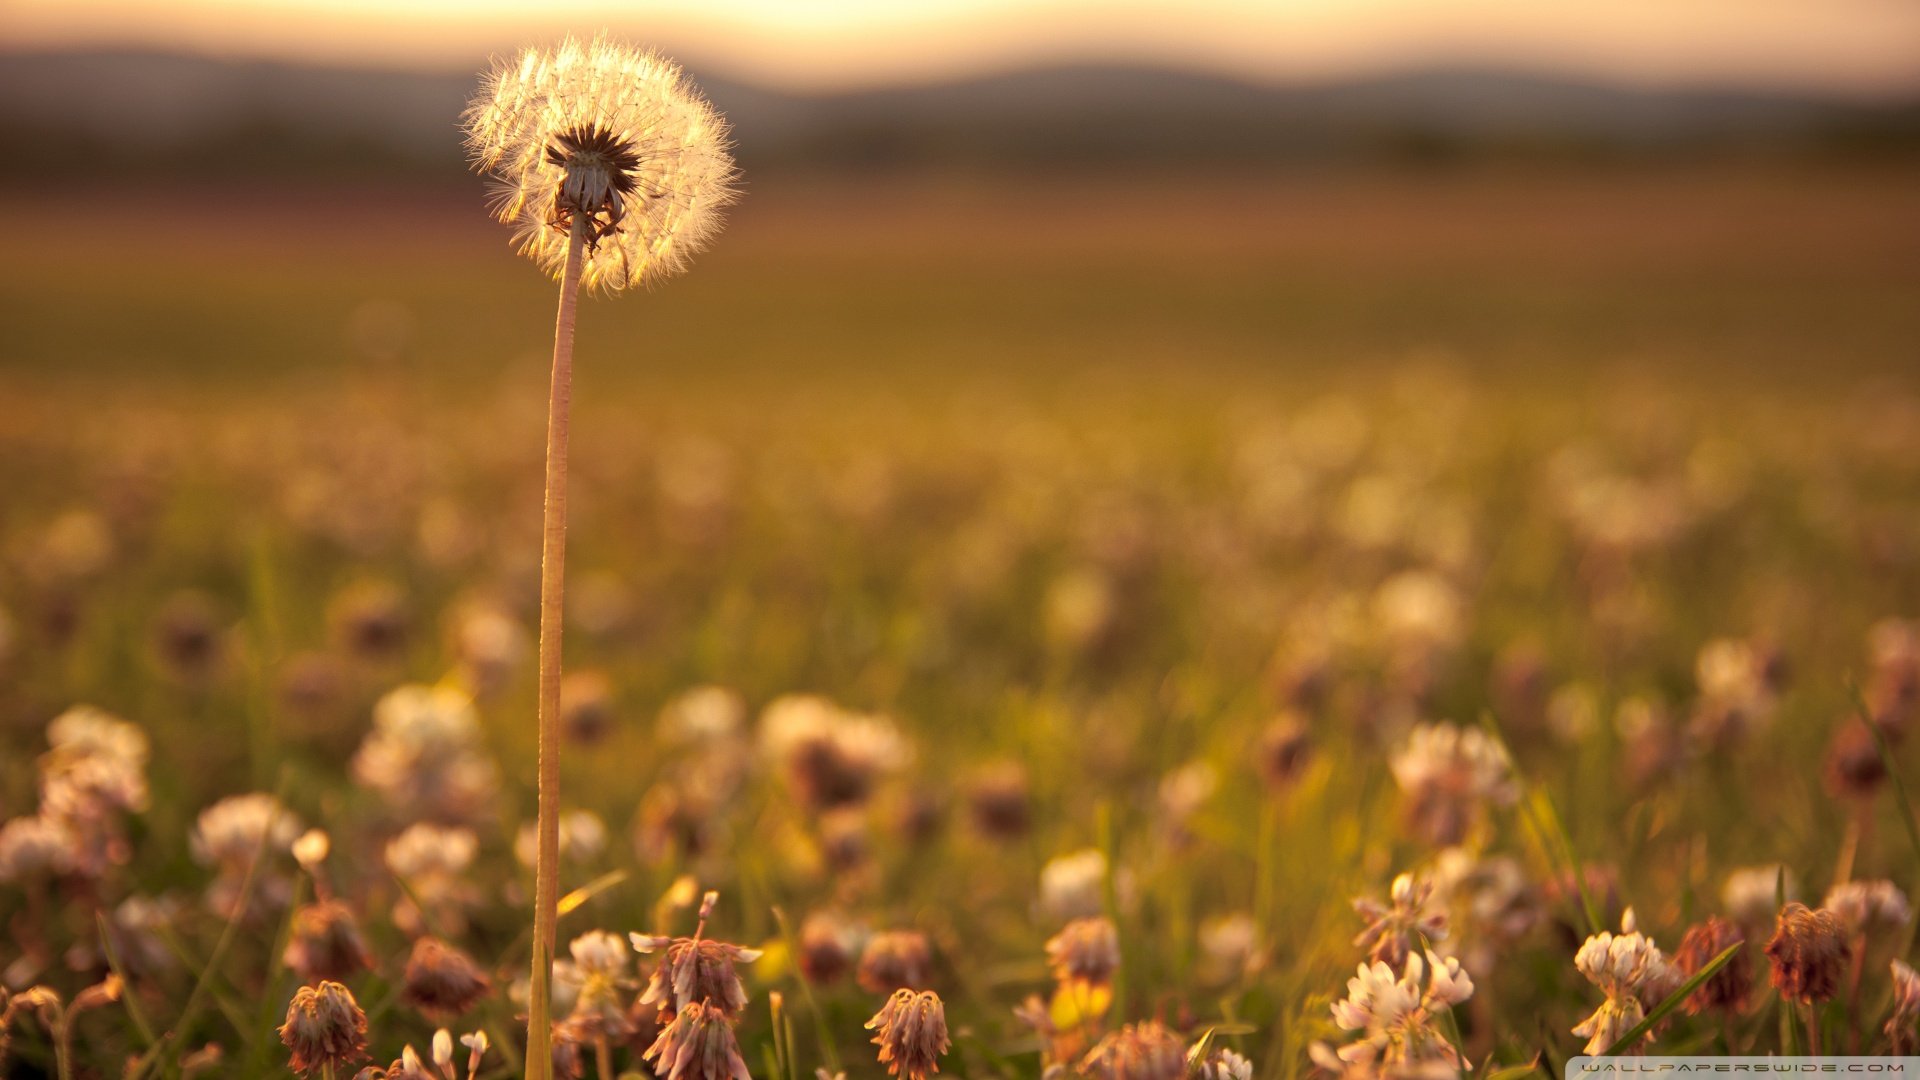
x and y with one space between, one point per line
1067 596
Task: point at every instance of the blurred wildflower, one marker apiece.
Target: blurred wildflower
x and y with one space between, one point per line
1284 750
895 959
433 862
1749 893
1903 1026
599 973
230 835
583 836
1085 951
1738 692
607 133
369 621
324 944
441 981
1073 886
1449 775
1144 1051
1405 923
1207 1060
1865 906
1809 953
999 799
1726 991
586 706
426 757
698 1044
827 948
1230 948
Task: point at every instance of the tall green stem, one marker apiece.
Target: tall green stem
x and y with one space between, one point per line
553 573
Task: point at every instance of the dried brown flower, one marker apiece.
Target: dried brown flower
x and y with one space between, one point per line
695 971
698 1044
442 981
827 945
1726 992
1809 953
325 1029
911 1032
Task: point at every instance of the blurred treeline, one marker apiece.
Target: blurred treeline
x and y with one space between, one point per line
158 115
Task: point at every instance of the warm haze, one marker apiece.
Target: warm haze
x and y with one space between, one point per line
1855 47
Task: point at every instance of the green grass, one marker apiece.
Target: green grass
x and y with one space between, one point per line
839 459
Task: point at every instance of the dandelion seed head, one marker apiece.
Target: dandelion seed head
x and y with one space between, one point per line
614 135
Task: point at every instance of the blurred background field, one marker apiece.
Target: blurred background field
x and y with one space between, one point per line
1088 419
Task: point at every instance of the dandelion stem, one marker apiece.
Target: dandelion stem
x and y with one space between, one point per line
553 559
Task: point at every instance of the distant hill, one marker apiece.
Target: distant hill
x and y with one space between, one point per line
160 112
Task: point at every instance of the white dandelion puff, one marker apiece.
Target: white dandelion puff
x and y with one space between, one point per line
613 135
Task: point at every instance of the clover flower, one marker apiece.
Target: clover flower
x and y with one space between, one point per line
911 1032
324 943
1448 775
698 1044
1395 1013
1867 905
1073 886
442 981
1726 990
1903 1026
1395 928
1086 951
1809 952
598 971
426 756
894 959
325 1029
1633 973
613 137
1145 1051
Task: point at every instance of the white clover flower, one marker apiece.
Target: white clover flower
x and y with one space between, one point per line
1634 974
1395 1013
1449 774
1864 905
426 755
1074 886
583 836
1749 893
35 847
611 136
230 832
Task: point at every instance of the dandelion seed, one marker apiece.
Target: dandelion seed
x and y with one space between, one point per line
612 137
911 1032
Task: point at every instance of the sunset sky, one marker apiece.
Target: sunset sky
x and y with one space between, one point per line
1866 47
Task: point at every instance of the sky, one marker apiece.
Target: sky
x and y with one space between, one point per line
1844 47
